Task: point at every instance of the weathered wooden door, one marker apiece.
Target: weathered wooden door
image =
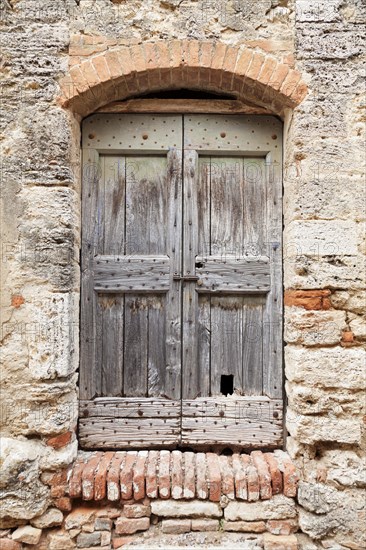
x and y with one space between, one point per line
181 281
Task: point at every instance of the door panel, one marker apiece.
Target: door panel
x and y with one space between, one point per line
181 281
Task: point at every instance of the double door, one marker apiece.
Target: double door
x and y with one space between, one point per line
181 281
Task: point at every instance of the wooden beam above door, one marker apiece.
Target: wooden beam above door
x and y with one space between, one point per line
183 106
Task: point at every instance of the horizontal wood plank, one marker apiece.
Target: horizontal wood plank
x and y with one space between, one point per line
219 106
133 432
245 421
129 407
136 274
225 274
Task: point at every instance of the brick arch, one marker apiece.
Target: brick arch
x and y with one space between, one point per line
211 66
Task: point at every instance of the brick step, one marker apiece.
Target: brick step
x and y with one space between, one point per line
126 475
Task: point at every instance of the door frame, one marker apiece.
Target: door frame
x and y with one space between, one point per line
202 106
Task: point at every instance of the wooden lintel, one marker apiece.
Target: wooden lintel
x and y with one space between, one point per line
203 106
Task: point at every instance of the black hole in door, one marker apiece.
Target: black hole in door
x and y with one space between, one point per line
199 264
227 384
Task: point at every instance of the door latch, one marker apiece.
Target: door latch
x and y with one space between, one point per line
188 278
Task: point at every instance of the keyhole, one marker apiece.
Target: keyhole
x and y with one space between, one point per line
227 384
199 264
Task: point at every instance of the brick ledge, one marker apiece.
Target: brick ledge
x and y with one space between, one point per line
126 475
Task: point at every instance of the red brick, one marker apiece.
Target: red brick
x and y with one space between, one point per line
75 479
241 490
213 477
79 81
255 66
175 48
59 441
17 300
100 488
218 55
64 504
164 474
282 526
276 476
244 62
227 477
87 477
290 82
279 76
308 299
113 485
125 61
268 68
126 475
89 73
201 483
177 475
263 474
119 542
114 66
206 54
253 483
138 57
101 67
126 526
189 484
348 337
299 93
290 478
138 480
151 475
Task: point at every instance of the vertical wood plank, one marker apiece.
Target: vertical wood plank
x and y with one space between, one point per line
204 345
253 345
173 372
254 215
227 206
146 205
92 243
114 207
111 319
204 206
226 340
156 346
190 382
272 318
135 346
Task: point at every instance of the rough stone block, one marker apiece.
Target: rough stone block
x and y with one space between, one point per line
329 368
191 509
205 525
126 526
136 510
279 542
311 430
51 518
27 534
282 526
278 507
245 526
316 328
103 524
321 238
84 540
172 526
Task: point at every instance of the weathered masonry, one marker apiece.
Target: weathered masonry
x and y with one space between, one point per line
183 306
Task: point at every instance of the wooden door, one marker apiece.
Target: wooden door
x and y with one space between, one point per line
181 281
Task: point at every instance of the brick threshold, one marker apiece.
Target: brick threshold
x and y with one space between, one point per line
135 475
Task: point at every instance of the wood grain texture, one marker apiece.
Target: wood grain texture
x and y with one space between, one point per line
225 273
244 421
182 106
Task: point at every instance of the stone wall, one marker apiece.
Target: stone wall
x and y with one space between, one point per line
324 228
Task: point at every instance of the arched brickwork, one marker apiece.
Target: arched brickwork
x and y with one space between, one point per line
129 71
